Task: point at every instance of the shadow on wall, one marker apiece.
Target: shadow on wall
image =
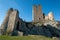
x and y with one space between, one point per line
48 30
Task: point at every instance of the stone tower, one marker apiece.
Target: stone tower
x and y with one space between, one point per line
5 22
9 22
12 22
37 13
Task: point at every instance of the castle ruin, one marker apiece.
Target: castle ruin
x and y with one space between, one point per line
14 25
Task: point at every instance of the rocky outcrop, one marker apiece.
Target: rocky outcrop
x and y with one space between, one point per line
52 23
47 30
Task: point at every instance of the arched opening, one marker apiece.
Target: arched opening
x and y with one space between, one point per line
39 18
17 27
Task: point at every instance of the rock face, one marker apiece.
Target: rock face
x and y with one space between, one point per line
15 26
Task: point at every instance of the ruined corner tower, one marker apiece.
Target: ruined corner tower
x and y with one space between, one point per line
37 14
9 21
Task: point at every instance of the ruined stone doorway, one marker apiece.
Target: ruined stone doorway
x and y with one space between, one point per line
17 27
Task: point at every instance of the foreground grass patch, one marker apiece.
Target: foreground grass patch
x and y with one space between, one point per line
24 38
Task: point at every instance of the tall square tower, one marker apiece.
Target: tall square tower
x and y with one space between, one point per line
37 14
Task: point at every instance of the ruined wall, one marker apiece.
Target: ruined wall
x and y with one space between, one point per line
46 18
49 16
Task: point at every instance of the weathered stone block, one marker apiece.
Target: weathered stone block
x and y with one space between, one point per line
20 33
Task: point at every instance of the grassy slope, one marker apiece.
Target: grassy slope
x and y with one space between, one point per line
24 38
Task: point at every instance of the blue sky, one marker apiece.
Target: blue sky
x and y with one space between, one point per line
25 8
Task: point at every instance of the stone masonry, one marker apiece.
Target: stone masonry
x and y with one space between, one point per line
37 13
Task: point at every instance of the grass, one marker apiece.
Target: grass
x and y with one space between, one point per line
24 38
